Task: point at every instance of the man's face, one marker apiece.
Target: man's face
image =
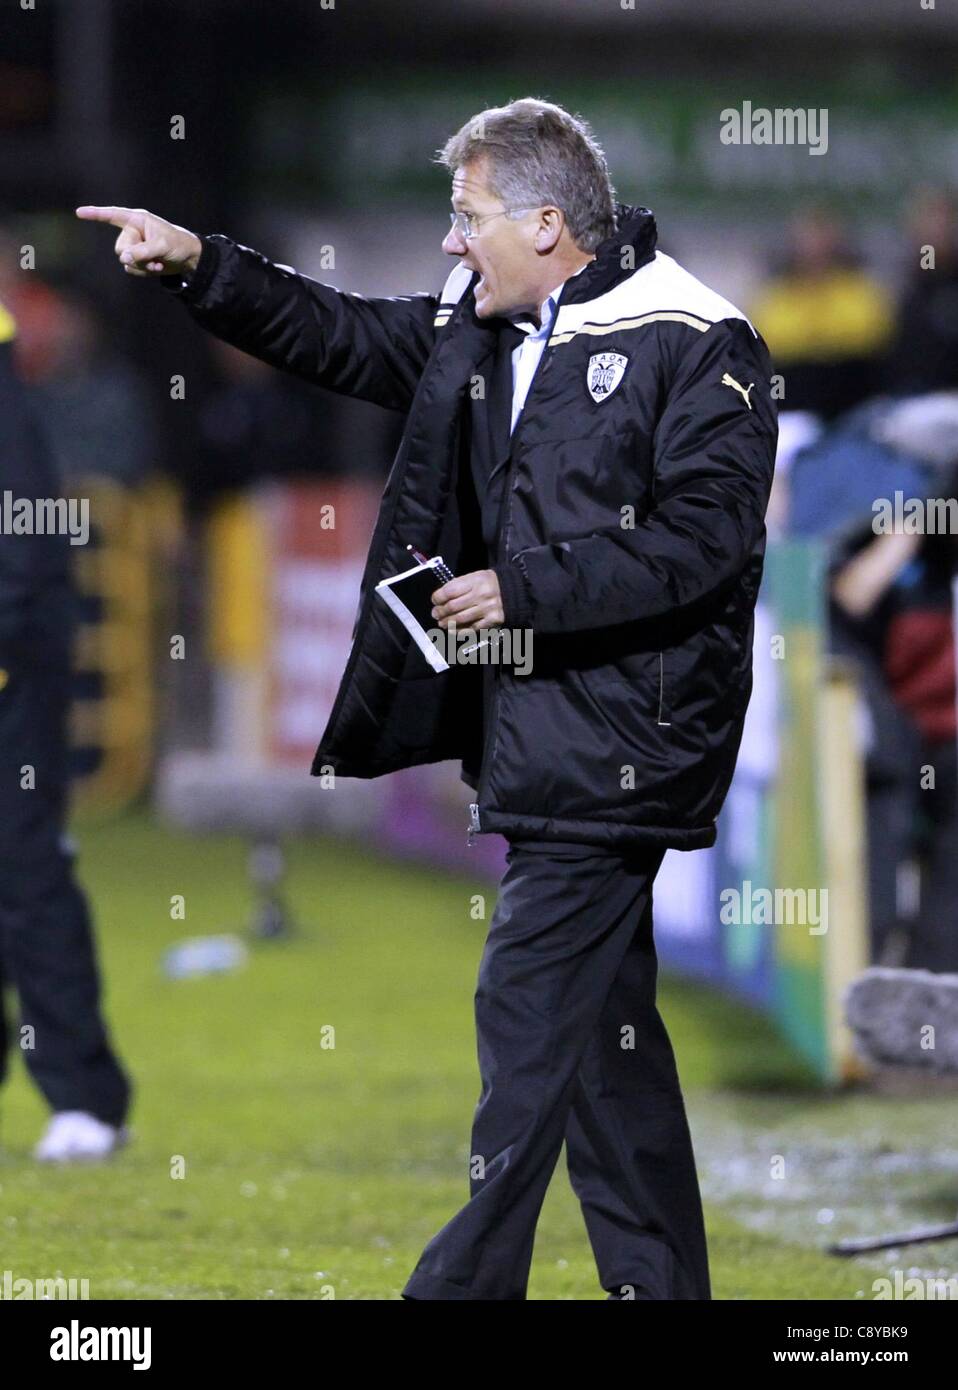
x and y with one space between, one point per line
503 249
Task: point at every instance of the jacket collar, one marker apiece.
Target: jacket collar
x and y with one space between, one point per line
635 227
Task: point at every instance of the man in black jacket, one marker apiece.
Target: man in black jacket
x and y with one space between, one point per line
589 443
47 951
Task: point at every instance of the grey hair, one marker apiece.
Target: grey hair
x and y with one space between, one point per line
538 153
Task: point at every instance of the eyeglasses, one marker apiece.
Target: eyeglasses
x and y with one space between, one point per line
467 223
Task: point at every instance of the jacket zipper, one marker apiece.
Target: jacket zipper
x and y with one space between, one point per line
490 735
505 515
666 723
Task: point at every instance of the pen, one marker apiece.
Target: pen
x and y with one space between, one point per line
442 569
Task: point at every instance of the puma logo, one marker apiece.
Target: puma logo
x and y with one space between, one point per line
743 391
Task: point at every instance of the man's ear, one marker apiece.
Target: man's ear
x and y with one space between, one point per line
549 230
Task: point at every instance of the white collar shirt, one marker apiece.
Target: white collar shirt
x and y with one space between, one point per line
526 357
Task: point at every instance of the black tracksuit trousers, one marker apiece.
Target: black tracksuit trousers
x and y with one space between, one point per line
47 951
571 1046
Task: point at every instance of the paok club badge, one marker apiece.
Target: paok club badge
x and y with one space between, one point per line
603 374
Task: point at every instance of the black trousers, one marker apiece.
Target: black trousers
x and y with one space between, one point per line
571 1047
47 953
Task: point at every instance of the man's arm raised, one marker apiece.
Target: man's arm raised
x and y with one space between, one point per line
372 349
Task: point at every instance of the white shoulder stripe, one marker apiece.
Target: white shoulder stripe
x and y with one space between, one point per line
455 287
662 316
659 291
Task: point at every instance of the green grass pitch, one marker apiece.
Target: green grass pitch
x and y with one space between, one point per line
314 1171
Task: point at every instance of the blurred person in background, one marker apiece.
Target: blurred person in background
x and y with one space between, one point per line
827 322
91 405
251 426
612 378
37 308
891 614
892 610
254 423
47 953
924 354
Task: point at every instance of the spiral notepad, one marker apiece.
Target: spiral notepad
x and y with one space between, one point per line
409 595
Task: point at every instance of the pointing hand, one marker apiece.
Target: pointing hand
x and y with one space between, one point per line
147 244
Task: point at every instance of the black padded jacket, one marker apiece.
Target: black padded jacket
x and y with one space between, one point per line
629 534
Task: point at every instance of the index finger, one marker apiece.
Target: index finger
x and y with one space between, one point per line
116 217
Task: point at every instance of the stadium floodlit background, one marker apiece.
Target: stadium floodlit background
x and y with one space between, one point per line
318 1082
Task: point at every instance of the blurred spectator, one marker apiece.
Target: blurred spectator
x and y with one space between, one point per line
893 610
36 307
256 423
924 356
827 323
96 414
892 614
252 426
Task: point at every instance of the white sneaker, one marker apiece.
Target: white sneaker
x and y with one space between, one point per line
74 1134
